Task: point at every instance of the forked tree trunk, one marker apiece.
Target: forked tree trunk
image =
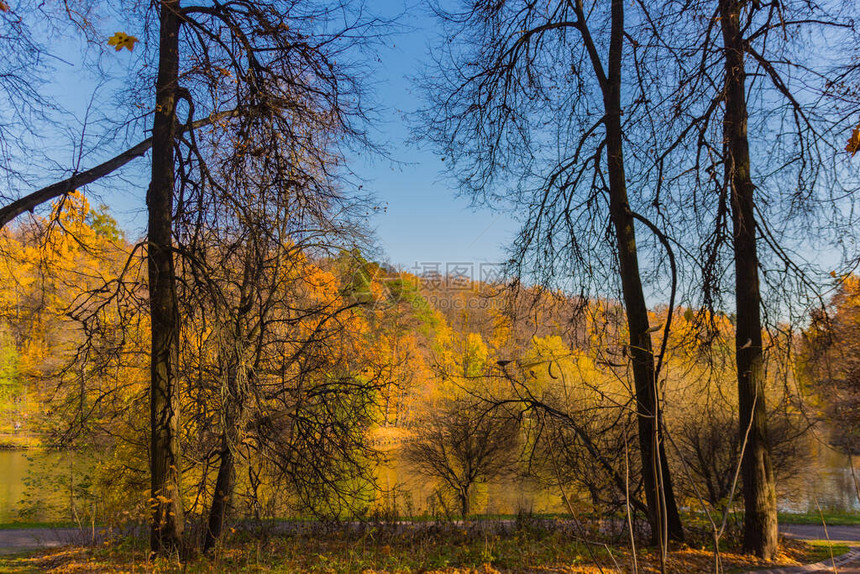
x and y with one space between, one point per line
659 494
759 489
166 518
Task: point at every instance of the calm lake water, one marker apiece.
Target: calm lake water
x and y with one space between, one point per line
830 486
827 484
20 500
13 470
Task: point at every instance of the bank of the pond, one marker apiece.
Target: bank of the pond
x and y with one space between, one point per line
816 518
20 441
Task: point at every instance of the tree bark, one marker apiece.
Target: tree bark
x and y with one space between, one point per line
232 410
464 502
166 518
221 497
659 493
759 489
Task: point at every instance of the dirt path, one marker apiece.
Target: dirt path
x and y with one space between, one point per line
13 541
849 533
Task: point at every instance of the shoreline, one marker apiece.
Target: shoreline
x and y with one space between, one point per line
20 441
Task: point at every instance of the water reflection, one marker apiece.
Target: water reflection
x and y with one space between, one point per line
410 494
46 486
42 485
827 484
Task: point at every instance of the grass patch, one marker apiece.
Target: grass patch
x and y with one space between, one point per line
37 524
831 518
809 551
427 550
18 563
825 549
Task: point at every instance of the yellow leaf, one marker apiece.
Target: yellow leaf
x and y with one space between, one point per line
120 40
854 143
3 6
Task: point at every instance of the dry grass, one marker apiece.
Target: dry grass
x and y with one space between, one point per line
450 552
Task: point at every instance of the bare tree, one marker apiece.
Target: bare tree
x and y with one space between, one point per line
26 111
745 156
577 412
266 324
463 442
534 95
760 524
272 68
167 520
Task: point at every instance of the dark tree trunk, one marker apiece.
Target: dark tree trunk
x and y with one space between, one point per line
659 494
166 505
232 408
222 495
463 495
760 523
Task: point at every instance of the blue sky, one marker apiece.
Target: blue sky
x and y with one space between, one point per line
422 220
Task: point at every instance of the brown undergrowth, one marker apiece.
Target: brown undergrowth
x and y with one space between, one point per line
449 551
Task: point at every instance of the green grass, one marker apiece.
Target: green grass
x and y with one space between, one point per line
830 518
820 550
37 524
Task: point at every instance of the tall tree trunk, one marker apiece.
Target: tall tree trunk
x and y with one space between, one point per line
221 497
166 505
659 494
233 403
760 523
232 407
